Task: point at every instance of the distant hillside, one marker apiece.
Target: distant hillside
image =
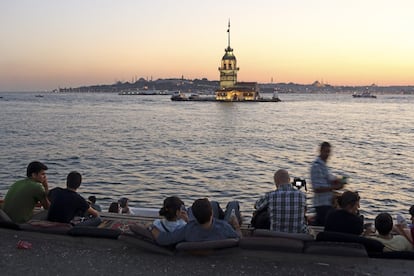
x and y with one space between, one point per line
208 87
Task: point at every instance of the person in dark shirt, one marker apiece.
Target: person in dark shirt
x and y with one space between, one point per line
67 203
346 219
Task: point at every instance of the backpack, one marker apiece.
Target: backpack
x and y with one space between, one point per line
261 219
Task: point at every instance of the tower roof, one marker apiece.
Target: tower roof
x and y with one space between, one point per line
228 51
228 55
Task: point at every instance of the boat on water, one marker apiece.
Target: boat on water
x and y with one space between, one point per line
140 92
179 96
364 95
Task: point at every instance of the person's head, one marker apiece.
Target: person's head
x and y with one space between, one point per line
92 199
349 201
202 210
114 207
123 202
73 180
383 223
171 208
36 171
325 151
281 177
411 211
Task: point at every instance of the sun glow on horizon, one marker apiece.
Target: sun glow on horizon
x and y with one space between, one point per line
48 44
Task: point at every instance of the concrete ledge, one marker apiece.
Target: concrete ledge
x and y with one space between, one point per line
272 244
335 249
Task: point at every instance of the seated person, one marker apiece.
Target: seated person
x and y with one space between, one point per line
174 214
114 208
123 204
412 224
204 228
411 211
286 205
232 209
346 218
92 200
65 204
24 194
384 225
403 229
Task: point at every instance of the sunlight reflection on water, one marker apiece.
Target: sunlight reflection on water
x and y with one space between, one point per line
147 148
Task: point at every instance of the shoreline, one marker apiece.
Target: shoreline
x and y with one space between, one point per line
66 255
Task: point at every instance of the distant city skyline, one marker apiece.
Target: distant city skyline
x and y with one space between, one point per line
49 44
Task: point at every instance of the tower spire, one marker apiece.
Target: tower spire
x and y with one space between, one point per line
228 34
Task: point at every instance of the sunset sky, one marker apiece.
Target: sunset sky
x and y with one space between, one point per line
46 44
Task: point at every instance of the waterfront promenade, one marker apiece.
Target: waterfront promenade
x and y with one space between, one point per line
65 255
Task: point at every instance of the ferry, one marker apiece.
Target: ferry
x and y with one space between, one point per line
139 92
364 95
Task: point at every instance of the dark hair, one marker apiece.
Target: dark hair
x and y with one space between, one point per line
170 207
123 202
411 211
202 210
383 223
348 198
74 180
92 199
325 145
35 167
114 207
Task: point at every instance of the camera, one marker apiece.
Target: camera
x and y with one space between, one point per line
299 183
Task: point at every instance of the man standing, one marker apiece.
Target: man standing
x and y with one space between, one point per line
23 195
323 184
286 205
65 204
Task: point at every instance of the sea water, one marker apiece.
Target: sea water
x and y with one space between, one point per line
148 147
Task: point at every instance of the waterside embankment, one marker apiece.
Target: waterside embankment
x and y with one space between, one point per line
65 255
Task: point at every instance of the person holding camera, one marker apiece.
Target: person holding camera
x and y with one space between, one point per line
286 206
324 184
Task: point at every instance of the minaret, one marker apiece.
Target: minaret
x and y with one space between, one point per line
228 69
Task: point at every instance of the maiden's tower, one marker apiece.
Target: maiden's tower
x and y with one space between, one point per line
230 89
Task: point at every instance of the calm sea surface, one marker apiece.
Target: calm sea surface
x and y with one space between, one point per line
147 147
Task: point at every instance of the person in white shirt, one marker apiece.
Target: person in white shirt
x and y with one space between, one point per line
384 225
174 213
